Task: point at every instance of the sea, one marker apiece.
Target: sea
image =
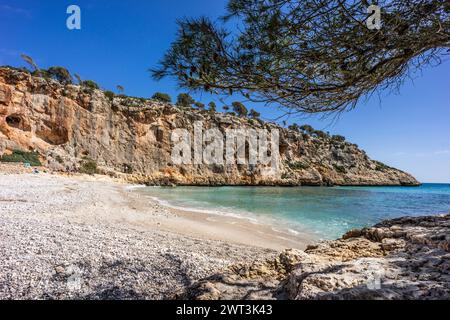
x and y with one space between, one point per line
326 212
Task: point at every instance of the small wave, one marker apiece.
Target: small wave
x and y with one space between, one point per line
167 204
277 225
135 187
293 231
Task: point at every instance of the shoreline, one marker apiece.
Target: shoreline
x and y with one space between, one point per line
95 238
59 229
189 222
239 230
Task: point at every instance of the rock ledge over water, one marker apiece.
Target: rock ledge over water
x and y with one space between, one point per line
405 258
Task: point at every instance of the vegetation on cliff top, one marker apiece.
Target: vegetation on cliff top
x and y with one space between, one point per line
184 100
163 97
305 162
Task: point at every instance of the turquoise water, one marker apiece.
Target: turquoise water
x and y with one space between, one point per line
326 212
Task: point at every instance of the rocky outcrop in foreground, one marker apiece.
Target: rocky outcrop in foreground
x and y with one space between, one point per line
76 126
406 258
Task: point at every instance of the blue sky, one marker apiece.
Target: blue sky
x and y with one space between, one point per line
121 40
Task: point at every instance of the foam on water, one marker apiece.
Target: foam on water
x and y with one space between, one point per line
325 212
241 215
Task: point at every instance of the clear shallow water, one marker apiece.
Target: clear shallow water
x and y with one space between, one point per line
326 212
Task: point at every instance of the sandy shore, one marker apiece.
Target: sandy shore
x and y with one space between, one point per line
82 237
218 227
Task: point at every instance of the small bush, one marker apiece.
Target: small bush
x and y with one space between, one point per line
298 165
380 166
90 84
110 95
184 100
239 109
199 105
254 114
320 134
307 128
163 97
21 156
338 138
88 166
212 106
294 127
59 74
340 169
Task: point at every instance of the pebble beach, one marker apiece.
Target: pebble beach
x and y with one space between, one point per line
82 238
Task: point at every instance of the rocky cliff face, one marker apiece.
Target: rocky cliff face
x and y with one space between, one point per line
132 137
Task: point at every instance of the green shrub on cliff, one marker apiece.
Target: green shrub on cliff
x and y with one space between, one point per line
60 74
88 166
307 128
380 166
162 97
90 84
340 169
22 156
185 101
199 105
239 109
110 95
338 138
212 106
254 114
294 127
298 165
320 134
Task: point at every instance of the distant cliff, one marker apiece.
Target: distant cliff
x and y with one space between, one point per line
71 126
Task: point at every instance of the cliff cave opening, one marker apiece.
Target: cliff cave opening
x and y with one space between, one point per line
13 121
54 134
16 121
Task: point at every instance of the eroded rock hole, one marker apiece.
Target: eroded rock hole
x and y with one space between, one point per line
15 121
53 133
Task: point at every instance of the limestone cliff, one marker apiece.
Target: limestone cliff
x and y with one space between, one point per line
132 137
